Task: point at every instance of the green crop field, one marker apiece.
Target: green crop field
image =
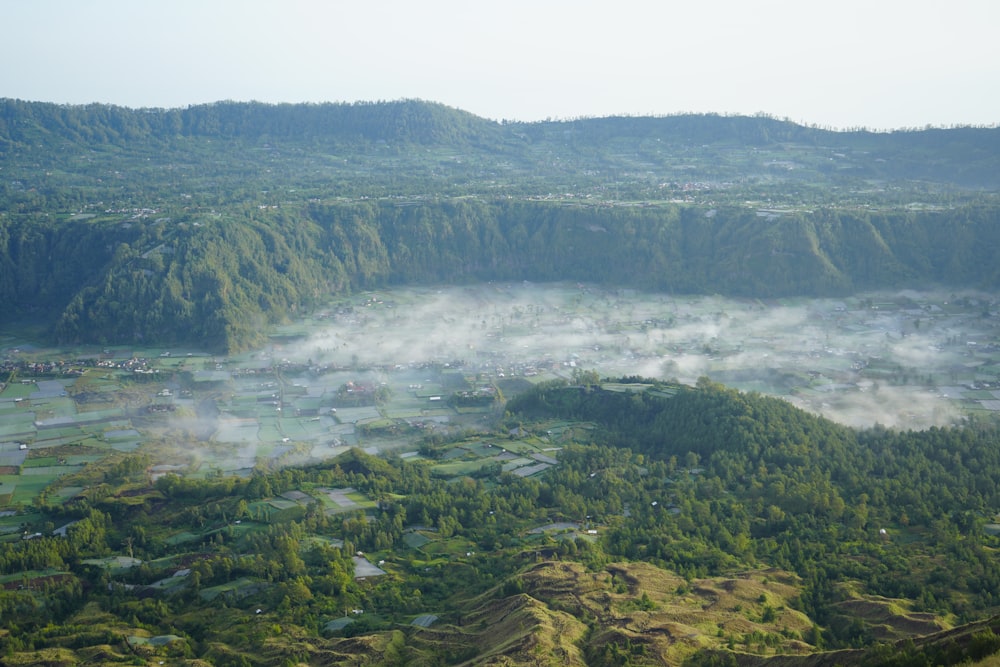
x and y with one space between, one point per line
237 588
455 547
458 468
26 486
28 575
40 461
415 540
17 390
181 538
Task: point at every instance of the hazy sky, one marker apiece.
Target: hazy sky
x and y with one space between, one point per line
874 63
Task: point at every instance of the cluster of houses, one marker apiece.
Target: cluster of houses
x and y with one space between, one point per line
39 368
133 364
356 394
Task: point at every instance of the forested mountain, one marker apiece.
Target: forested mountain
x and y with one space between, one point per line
681 525
200 224
404 121
786 482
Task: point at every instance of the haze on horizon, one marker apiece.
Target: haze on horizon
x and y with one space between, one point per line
849 64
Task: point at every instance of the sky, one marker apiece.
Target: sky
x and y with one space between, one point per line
879 64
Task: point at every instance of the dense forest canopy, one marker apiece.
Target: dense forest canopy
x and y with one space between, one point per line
199 224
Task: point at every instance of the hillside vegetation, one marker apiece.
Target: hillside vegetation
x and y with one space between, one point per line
682 525
157 510
199 225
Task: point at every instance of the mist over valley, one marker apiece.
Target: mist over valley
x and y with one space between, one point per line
390 384
905 360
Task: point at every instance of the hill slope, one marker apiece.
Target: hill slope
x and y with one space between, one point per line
673 525
203 224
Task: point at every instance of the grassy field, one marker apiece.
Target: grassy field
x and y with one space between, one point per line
459 468
455 547
29 575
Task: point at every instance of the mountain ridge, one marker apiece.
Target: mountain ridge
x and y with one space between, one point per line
203 224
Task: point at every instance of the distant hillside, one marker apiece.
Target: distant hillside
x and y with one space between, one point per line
203 224
403 121
966 156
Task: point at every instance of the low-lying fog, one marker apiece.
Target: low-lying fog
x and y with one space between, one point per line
906 359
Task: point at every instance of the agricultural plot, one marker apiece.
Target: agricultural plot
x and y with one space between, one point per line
440 415
306 429
12 455
453 547
520 447
476 457
532 469
459 468
308 542
424 620
18 391
416 540
10 522
8 485
337 624
234 430
515 463
270 430
559 527
17 428
482 449
52 472
234 589
181 538
407 406
474 410
355 415
117 435
123 440
159 640
563 431
281 504
363 568
64 493
29 577
55 407
336 501
62 435
24 488
114 564
297 497
10 409
636 388
310 405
